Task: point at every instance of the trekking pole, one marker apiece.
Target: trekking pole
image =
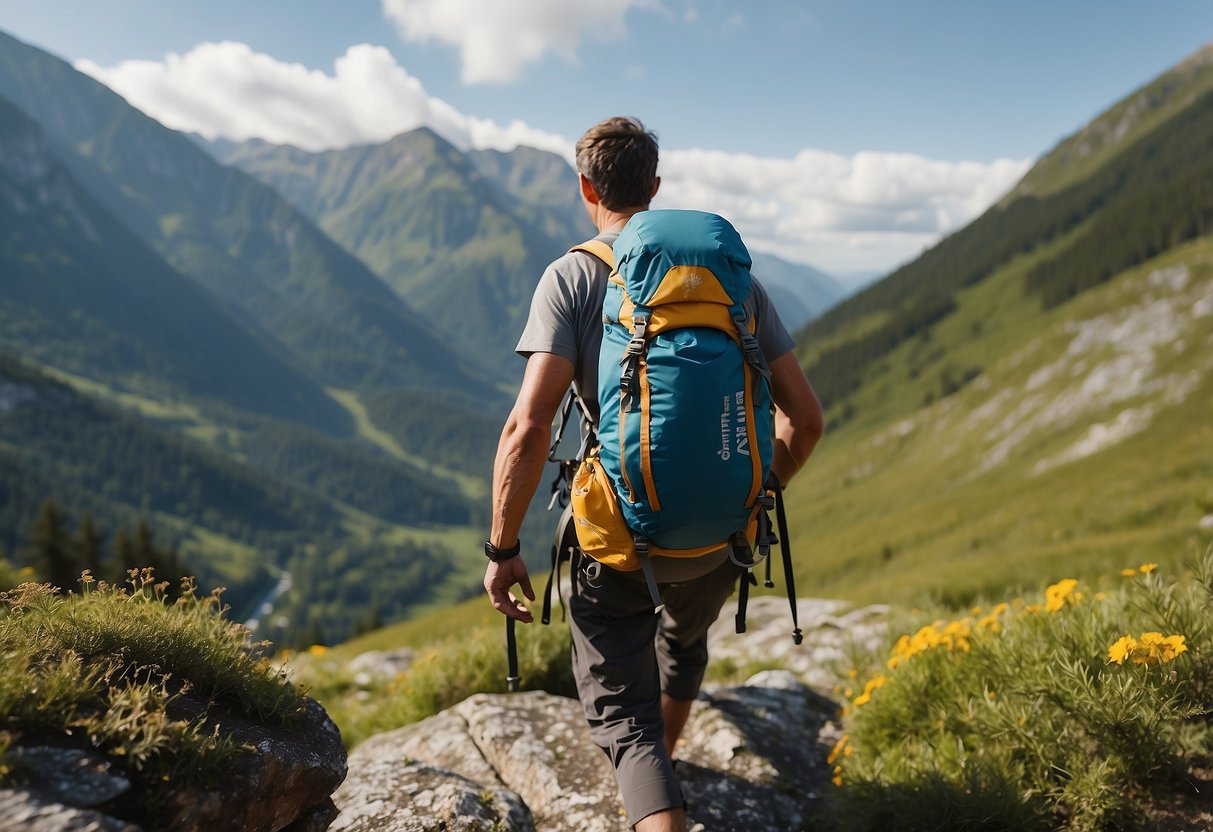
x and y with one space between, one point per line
511 646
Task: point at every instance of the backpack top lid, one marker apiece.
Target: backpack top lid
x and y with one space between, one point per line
659 254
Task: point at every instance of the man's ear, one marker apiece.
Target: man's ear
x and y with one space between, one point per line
656 186
588 192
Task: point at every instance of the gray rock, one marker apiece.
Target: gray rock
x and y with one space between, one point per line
292 772
69 775
751 758
830 631
381 664
282 786
23 811
751 761
540 747
393 794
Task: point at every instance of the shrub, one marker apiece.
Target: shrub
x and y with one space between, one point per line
101 670
1075 710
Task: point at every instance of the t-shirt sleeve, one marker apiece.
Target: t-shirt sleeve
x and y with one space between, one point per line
772 335
551 324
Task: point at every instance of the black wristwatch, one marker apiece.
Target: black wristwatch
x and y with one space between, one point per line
498 555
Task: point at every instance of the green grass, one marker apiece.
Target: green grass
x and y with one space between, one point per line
458 660
1034 714
909 499
103 669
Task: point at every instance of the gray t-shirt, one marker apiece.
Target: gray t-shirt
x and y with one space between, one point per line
566 320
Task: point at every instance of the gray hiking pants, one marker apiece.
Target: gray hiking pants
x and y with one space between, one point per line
625 657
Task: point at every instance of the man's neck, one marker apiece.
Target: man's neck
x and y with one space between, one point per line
608 221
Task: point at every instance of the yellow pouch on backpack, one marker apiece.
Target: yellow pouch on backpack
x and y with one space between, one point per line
603 534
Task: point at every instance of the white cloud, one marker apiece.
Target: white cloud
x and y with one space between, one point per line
866 212
844 213
497 39
228 90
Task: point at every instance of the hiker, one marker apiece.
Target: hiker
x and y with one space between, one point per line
637 673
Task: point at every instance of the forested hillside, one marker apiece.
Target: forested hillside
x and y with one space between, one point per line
184 349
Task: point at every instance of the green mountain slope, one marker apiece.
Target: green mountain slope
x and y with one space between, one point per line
231 234
542 189
1152 194
1029 399
453 244
81 292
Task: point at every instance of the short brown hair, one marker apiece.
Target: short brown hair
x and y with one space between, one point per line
619 157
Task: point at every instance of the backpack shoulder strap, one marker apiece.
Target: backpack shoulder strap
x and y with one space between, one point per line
598 249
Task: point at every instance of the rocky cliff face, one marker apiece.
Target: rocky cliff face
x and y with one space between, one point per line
752 757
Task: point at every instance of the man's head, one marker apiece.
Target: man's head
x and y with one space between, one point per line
619 158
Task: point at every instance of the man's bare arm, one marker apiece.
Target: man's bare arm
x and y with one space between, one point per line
798 418
517 470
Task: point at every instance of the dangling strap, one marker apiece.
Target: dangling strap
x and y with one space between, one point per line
568 467
781 518
646 566
743 598
511 649
740 552
558 557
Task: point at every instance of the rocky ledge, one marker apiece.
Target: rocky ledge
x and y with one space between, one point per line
752 757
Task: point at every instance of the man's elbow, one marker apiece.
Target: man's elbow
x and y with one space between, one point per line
808 423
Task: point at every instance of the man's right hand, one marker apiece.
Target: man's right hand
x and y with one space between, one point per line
499 577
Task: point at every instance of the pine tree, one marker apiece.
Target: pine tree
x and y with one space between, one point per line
88 545
125 557
51 548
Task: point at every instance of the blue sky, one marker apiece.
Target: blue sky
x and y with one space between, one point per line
900 120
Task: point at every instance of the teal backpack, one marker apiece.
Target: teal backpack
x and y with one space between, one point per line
680 463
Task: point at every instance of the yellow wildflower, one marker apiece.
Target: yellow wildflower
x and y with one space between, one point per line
838 749
317 650
866 697
1171 647
1061 593
1151 649
837 778
1147 568
1120 651
1129 573
1101 597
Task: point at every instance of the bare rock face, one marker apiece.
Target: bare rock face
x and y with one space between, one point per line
24 811
830 627
525 761
293 771
752 757
284 785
